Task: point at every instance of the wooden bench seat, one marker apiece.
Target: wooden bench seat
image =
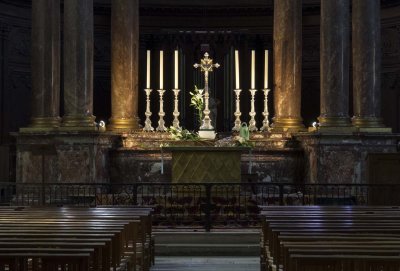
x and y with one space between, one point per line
303 262
108 237
44 261
325 238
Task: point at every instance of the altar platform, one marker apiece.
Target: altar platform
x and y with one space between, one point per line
273 157
200 164
136 157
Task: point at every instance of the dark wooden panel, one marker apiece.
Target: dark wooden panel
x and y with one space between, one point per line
384 168
4 164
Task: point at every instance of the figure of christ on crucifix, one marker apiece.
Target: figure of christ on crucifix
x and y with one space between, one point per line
206 65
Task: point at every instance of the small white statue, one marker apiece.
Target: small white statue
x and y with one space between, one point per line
101 126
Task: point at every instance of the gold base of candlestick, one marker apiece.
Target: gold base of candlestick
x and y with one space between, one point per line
42 124
78 123
123 124
287 125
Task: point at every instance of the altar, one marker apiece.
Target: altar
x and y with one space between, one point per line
198 164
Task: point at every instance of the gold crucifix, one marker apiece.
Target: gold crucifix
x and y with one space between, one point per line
206 65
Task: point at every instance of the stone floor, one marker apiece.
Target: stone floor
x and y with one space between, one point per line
207 264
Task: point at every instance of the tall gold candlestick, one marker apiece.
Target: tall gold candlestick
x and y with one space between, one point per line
265 127
161 123
252 122
175 122
147 122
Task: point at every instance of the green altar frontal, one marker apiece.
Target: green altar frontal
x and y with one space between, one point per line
206 164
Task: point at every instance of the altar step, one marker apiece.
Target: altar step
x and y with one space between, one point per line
220 243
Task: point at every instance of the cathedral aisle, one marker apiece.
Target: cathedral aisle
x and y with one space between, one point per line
207 264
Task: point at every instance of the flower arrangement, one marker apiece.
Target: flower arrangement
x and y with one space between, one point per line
233 141
182 134
197 102
242 142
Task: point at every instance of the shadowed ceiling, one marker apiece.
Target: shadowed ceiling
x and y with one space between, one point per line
205 3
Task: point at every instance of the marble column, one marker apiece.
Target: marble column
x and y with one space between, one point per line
367 64
335 55
287 65
45 65
124 64
78 65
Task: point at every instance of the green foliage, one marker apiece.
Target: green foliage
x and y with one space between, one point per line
183 134
243 142
197 102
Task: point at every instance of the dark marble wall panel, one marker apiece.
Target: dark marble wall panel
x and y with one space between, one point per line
391 98
391 45
102 69
18 49
310 96
342 159
67 158
102 95
15 82
17 99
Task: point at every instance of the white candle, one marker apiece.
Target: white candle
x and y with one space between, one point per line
253 69
176 69
266 70
148 70
161 69
237 69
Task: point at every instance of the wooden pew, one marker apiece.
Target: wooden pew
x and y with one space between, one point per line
143 212
112 236
72 211
315 235
17 261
